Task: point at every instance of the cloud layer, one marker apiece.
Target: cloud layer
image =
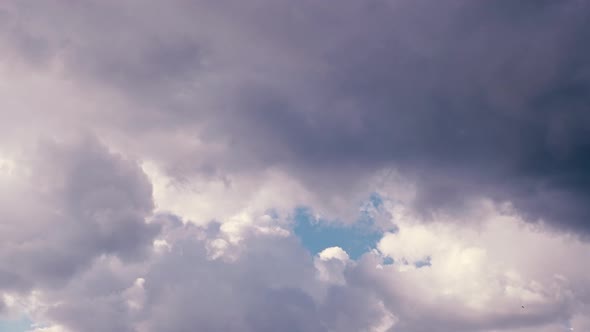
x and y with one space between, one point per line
154 155
492 94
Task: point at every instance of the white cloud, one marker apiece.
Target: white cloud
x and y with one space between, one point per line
479 278
53 328
331 264
485 272
233 199
334 253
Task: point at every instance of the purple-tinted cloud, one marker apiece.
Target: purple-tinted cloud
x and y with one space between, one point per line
220 111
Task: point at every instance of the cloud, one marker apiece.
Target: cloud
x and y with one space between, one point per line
480 276
153 155
477 281
271 285
67 204
491 94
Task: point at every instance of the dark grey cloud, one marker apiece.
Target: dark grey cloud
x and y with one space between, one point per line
469 98
69 204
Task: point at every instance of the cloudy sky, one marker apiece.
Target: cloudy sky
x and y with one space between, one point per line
294 165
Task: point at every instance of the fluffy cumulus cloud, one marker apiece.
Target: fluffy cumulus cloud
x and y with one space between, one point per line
155 158
63 206
499 274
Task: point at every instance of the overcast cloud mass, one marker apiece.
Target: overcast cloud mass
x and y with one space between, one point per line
204 165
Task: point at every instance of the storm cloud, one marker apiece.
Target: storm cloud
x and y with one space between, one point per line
470 98
166 146
67 207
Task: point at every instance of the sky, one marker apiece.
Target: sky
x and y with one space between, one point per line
294 165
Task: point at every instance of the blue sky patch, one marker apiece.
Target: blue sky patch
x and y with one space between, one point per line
376 200
388 261
18 325
423 263
317 235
